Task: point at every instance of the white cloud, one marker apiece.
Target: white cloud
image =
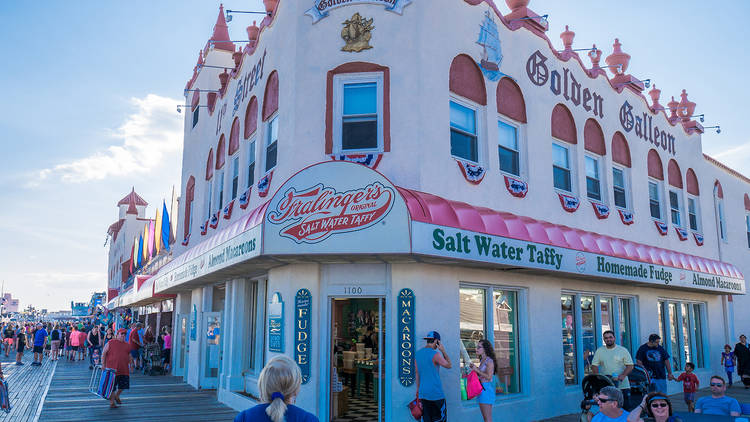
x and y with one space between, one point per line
737 158
151 133
54 290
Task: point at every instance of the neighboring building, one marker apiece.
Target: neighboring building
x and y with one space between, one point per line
130 223
521 195
10 305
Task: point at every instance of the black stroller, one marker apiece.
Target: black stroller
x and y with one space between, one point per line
591 384
152 360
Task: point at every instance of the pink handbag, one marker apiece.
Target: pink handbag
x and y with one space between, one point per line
473 386
415 407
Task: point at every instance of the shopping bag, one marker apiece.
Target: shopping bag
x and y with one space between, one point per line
463 388
4 396
106 384
415 407
473 386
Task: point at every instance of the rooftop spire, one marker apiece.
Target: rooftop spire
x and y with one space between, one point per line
221 33
132 199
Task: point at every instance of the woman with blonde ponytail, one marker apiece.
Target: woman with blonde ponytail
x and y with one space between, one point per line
278 384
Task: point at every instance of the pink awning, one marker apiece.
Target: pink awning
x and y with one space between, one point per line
432 209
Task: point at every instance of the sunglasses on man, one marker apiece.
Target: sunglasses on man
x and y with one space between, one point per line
716 384
604 400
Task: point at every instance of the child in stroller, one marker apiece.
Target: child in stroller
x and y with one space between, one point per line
591 384
152 359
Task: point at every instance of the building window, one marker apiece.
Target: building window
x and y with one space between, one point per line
235 176
693 213
495 320
196 114
561 171
585 316
251 301
681 328
272 139
251 164
208 198
654 199
508 148
359 112
722 221
619 188
593 181
464 143
747 225
674 208
219 189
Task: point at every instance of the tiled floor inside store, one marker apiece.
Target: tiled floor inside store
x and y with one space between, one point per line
361 409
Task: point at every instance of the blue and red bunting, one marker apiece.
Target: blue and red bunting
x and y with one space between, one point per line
204 228
662 227
516 187
214 220
186 240
227 211
698 238
245 198
601 210
626 217
569 203
264 185
370 160
681 233
472 173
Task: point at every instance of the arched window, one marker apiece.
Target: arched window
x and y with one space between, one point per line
210 164
468 94
621 170
674 178
189 197
693 207
593 143
510 104
271 119
194 106
655 183
220 157
720 212
219 180
234 137
251 117
234 159
563 128
209 185
747 218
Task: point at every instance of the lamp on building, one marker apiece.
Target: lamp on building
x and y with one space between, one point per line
667 108
646 83
199 66
590 50
717 127
700 116
229 13
180 106
201 90
543 20
215 42
618 66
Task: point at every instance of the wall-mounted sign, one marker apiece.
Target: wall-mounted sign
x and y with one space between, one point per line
276 324
247 82
645 129
406 339
564 84
357 34
429 239
194 324
321 8
302 332
336 207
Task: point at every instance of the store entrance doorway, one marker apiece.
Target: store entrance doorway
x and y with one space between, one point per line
179 359
211 365
357 387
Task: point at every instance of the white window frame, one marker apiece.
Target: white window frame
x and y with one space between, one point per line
190 220
626 186
696 203
478 109
721 219
251 160
209 197
235 176
196 115
747 228
338 106
678 193
602 191
520 145
660 193
219 191
267 143
663 303
570 148
259 348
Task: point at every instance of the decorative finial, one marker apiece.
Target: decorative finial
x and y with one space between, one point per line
686 107
618 59
673 106
517 4
655 94
252 33
567 38
595 55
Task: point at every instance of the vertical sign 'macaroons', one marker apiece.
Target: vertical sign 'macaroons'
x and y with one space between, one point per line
406 304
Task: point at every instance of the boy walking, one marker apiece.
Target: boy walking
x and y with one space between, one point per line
728 361
690 385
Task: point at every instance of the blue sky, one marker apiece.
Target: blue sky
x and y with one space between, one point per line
90 89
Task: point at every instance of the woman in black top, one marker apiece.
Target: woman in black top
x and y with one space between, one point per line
742 352
21 344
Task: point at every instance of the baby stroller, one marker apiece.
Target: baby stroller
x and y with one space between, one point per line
640 382
152 360
591 384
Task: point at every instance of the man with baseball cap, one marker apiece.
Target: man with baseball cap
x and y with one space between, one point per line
655 359
116 355
429 387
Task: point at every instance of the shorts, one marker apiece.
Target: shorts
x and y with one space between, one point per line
434 410
689 397
55 345
74 348
20 348
9 341
135 353
487 396
122 382
167 355
38 349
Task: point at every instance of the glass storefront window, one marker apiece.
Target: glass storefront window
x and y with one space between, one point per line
698 335
588 333
674 337
471 324
505 327
681 329
686 347
625 324
569 339
662 313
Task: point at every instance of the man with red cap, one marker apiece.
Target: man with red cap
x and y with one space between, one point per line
116 355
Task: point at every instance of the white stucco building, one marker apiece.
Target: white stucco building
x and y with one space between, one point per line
506 191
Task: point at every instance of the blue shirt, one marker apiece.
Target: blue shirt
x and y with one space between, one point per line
721 406
39 337
601 417
653 359
430 387
258 414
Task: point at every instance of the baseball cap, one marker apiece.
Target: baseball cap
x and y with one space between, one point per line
433 335
654 337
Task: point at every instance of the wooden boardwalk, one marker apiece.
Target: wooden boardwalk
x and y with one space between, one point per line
150 398
27 385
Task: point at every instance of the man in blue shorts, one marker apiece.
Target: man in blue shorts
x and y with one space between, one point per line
40 338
